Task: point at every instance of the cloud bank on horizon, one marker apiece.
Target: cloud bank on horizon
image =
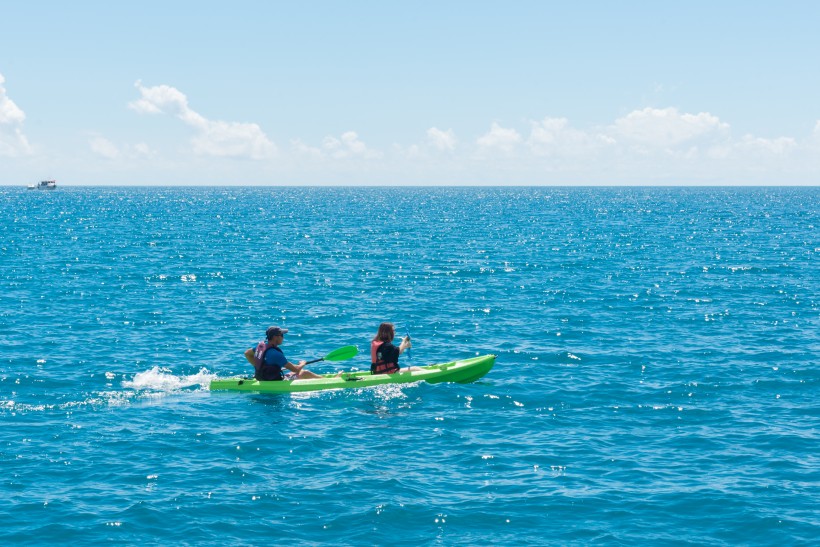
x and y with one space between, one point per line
650 145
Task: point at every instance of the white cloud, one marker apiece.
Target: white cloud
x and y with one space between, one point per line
756 150
814 139
499 138
158 99
214 138
549 132
412 152
441 140
666 127
777 147
12 140
303 149
647 146
142 149
555 137
103 147
10 113
348 146
233 140
110 151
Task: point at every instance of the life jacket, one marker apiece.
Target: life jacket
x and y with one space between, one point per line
267 372
379 365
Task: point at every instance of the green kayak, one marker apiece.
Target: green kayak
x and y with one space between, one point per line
463 372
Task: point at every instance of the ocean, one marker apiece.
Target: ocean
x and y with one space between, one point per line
657 378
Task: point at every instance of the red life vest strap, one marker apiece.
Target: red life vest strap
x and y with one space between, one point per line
379 366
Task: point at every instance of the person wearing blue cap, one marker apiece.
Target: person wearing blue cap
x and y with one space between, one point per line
268 360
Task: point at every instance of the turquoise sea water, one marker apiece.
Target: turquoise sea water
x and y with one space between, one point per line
657 377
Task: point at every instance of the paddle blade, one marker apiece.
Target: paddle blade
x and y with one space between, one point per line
341 354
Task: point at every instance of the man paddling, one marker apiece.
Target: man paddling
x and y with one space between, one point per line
268 360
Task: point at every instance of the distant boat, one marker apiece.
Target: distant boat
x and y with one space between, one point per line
44 185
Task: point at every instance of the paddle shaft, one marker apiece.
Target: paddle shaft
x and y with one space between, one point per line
407 332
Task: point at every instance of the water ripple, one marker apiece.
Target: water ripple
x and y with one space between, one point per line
656 377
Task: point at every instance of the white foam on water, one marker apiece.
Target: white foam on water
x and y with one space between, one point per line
387 392
162 379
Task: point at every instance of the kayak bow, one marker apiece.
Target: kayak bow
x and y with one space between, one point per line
462 372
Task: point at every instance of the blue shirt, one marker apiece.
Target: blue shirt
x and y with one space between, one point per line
275 358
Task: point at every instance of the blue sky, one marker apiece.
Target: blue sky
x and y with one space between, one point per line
384 93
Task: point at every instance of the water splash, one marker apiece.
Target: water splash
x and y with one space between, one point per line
163 379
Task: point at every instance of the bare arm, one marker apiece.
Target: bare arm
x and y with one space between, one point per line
251 357
295 368
405 344
301 372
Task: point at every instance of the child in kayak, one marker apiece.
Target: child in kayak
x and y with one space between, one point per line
384 356
268 360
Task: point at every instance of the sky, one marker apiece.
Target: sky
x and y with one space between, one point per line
410 93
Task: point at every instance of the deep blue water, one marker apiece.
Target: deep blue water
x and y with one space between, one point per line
657 381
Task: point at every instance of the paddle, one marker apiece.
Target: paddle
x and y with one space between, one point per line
407 332
338 354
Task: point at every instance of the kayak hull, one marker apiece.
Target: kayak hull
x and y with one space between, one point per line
463 372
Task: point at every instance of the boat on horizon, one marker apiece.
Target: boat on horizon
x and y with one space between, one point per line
44 185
